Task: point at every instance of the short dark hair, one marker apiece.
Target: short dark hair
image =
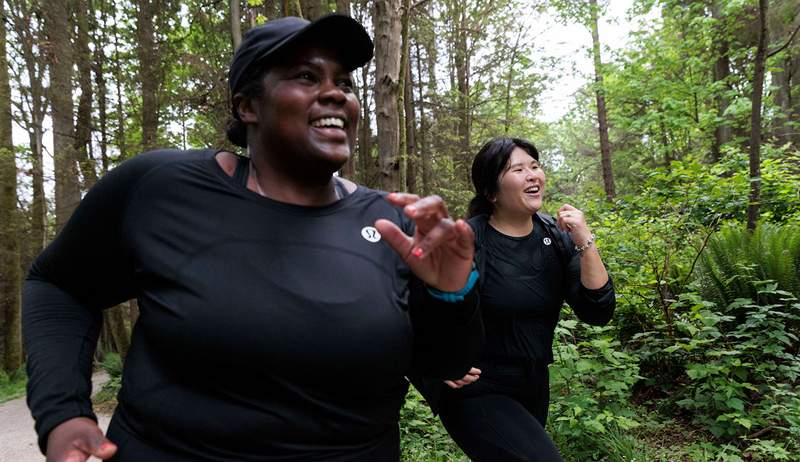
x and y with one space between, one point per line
487 166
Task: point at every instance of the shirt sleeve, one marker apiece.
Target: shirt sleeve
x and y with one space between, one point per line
592 306
85 269
447 335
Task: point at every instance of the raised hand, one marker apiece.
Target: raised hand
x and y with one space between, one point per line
440 251
77 439
572 220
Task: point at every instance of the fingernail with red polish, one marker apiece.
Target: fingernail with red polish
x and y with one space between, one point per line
417 252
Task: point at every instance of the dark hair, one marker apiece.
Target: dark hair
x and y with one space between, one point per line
487 166
235 129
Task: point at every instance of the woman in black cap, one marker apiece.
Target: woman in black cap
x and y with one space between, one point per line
280 306
529 264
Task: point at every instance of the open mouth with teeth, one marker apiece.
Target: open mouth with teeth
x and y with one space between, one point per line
532 190
328 122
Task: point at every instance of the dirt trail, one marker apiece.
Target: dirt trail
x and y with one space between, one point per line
17 438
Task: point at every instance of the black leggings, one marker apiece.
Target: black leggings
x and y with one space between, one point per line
501 417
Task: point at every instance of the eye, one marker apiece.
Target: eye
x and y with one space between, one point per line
306 75
346 83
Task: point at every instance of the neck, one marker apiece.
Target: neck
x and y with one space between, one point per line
511 224
270 182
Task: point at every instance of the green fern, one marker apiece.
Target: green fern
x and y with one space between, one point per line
737 263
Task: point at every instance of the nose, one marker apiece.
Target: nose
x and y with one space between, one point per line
331 92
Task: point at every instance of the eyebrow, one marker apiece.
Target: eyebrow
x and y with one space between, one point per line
517 164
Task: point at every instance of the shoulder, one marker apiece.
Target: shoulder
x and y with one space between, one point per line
146 162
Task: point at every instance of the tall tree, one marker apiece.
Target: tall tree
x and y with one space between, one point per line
314 9
602 113
9 238
149 71
28 29
755 116
388 53
83 126
67 191
236 22
722 71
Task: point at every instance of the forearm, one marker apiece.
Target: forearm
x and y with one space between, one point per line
60 336
593 272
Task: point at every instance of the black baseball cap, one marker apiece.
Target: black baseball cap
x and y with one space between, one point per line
342 33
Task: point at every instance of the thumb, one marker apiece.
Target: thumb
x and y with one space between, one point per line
97 445
395 237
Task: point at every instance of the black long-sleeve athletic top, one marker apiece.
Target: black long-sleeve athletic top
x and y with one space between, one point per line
266 330
524 282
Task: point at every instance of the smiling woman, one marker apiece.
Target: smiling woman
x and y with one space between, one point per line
280 307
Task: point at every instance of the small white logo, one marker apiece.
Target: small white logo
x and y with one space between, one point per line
371 234
546 241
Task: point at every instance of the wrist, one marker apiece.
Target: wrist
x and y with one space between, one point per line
580 248
457 296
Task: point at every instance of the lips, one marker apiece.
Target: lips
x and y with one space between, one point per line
532 190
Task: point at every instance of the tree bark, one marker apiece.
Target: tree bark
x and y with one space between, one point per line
410 129
67 191
722 70
148 71
83 128
236 23
314 9
35 66
9 238
461 58
343 7
388 50
602 114
755 117
423 152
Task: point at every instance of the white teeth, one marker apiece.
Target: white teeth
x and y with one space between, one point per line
532 190
328 122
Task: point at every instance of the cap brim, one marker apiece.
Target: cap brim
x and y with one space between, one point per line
341 33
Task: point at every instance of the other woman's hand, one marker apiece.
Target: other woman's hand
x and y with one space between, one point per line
472 376
572 220
77 439
440 251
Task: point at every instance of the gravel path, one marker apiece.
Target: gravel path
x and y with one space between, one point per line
17 438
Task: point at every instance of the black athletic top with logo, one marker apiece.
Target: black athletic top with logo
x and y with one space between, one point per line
525 281
267 331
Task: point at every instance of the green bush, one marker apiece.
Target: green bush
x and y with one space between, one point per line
742 375
422 436
12 385
591 382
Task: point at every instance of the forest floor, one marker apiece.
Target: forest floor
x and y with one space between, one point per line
17 437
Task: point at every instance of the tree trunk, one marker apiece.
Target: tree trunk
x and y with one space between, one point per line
35 66
343 7
462 66
722 70
410 129
292 8
9 238
67 191
119 134
83 128
424 151
365 136
102 92
388 50
236 23
602 117
148 71
755 118
314 9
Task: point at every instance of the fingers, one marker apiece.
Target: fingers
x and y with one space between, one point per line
401 199
472 376
77 439
395 237
568 218
97 446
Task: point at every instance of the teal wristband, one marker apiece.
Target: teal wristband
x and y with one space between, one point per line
453 297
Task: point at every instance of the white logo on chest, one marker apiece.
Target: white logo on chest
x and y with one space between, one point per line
370 234
546 241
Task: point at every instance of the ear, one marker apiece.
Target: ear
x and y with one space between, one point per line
244 107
